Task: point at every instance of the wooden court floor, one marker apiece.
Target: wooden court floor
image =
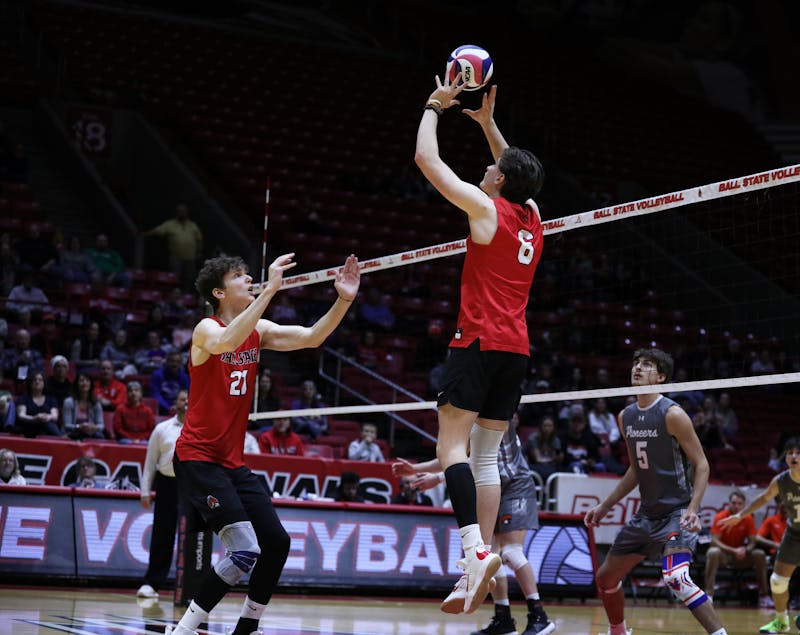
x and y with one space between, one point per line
46 611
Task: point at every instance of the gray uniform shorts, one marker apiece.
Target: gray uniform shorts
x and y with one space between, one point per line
517 513
789 549
649 536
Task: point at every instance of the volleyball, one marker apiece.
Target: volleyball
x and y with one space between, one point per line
474 64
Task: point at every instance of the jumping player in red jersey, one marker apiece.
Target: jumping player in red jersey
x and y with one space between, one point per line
489 353
208 461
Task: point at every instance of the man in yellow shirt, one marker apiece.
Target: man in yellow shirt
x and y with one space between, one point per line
184 242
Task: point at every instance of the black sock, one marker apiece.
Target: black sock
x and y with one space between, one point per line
211 592
461 487
502 611
245 626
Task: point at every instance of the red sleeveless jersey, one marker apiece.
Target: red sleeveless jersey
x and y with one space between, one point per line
496 281
219 403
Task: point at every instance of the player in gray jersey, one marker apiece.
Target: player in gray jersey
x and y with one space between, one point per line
787 486
518 512
661 444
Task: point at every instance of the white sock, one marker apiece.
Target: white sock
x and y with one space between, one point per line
193 617
503 602
252 609
533 596
618 629
721 631
470 538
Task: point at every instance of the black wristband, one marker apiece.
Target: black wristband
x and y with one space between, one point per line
437 109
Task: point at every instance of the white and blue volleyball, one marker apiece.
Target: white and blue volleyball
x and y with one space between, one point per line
474 64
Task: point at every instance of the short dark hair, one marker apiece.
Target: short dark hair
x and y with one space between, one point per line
85 460
523 172
349 478
738 493
211 276
792 443
663 361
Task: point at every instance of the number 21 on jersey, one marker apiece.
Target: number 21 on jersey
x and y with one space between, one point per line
238 385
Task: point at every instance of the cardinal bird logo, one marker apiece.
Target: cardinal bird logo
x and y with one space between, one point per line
212 501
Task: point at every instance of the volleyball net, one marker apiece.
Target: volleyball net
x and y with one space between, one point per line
711 274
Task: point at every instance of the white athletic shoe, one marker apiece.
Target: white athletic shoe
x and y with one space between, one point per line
146 591
608 632
454 603
480 570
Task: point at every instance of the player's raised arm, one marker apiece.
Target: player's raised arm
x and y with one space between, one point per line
484 116
281 337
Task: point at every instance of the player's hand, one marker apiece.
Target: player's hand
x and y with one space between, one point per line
594 516
426 480
146 502
401 467
730 521
348 279
690 521
447 91
485 113
276 269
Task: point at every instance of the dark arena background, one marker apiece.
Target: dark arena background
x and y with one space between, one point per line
669 132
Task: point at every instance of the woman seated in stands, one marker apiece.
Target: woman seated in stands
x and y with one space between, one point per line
37 412
82 413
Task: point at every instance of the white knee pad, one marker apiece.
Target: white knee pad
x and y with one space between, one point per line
483 446
241 551
678 580
614 589
514 557
778 584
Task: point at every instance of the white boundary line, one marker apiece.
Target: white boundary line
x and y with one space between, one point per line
569 395
711 191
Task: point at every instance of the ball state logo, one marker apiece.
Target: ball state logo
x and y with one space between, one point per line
505 519
212 501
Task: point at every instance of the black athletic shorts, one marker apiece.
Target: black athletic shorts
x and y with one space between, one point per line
486 382
221 495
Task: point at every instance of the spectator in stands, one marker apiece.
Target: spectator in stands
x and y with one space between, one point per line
109 267
184 245
410 495
365 448
736 547
182 333
167 381
763 364
726 416
152 355
284 311
251 444
109 390
21 360
268 400
544 449
602 423
368 354
694 398
280 439
86 349
82 413
27 297
87 474
156 322
133 421
313 425
37 412
347 492
118 351
374 312
770 533
59 384
49 341
707 425
9 468
38 255
158 475
581 448
173 307
8 412
74 263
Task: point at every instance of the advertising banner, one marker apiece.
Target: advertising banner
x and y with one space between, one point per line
101 535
